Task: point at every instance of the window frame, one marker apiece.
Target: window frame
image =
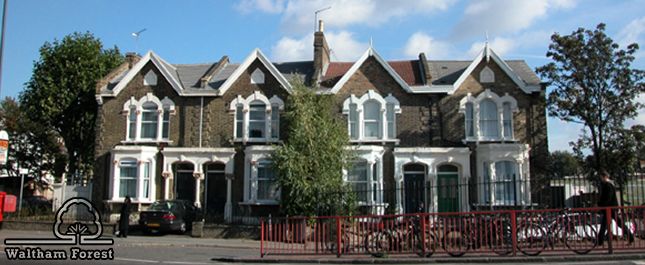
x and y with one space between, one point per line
386 121
241 108
132 165
477 115
134 111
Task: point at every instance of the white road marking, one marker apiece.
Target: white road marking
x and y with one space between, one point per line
184 262
138 260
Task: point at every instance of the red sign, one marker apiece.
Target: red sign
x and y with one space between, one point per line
9 204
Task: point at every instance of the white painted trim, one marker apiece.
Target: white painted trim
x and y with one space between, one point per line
158 62
369 53
499 102
246 102
487 52
383 124
255 54
141 154
253 154
492 153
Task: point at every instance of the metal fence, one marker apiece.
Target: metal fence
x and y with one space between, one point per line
504 232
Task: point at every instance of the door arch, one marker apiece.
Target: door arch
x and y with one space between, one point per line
214 199
448 188
414 187
184 181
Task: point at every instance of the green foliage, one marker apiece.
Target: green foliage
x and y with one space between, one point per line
31 146
562 164
61 92
309 164
594 85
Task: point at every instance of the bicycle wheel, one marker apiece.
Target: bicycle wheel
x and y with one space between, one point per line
331 244
456 243
502 242
581 239
531 239
377 243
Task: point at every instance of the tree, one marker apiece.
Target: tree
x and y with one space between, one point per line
593 85
32 147
309 165
562 164
61 92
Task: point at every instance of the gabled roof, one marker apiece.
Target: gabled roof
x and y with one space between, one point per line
255 55
370 52
487 53
167 70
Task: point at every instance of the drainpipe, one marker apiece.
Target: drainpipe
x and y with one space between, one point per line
201 120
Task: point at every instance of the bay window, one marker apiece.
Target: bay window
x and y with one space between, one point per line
371 117
256 118
488 117
148 119
128 178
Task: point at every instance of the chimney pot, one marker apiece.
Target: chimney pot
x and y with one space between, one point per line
321 25
131 58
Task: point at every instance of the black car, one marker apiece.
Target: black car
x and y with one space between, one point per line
168 216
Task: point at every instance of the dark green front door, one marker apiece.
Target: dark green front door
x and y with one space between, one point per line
448 192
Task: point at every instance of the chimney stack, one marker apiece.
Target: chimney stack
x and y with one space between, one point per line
321 54
132 58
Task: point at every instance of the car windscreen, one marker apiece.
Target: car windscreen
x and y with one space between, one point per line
162 206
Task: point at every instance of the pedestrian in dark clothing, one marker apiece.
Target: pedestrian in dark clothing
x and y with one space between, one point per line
124 221
608 198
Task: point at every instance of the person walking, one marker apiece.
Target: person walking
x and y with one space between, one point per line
124 219
607 198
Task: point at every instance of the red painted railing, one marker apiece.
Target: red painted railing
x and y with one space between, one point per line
509 232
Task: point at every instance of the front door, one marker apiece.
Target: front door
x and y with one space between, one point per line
215 190
448 188
414 176
184 182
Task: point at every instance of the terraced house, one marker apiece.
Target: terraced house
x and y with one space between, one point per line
204 132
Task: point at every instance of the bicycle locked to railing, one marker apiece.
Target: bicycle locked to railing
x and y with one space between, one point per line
536 231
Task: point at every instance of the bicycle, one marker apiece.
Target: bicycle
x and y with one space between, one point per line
462 233
400 236
540 232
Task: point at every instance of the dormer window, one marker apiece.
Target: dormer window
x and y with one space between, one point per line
257 77
257 118
487 75
488 117
150 79
148 119
371 117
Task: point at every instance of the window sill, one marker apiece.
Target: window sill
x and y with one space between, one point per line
396 141
257 140
133 201
260 203
146 141
503 140
372 204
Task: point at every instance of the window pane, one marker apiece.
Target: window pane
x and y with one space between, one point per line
128 178
149 130
358 180
353 122
133 123
508 120
505 177
372 110
390 121
238 129
166 124
257 112
371 130
146 180
275 121
267 184
256 129
239 114
488 121
470 131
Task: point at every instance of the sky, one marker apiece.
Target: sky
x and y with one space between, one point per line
191 31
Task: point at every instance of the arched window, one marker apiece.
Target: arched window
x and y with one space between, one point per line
371 117
470 121
257 118
149 118
372 120
507 117
488 119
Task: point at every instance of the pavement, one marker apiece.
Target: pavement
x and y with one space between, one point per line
173 249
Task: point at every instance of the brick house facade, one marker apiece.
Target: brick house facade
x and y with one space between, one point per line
204 132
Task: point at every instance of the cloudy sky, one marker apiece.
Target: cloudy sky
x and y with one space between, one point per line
203 31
